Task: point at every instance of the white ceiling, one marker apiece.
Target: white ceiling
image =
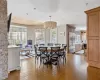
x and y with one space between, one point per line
62 11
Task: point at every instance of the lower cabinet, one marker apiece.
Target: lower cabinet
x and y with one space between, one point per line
13 58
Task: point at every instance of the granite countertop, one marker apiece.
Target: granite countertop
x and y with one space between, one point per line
13 46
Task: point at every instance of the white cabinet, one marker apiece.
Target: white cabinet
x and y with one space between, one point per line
13 58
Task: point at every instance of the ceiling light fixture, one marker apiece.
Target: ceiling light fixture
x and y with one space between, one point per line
50 24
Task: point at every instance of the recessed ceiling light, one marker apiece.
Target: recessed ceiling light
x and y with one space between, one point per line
26 13
87 4
34 8
50 16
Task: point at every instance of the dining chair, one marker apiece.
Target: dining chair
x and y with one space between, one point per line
44 54
55 55
64 45
62 54
37 53
41 44
57 44
64 50
50 44
84 48
36 45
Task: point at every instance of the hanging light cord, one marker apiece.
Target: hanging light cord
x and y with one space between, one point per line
50 18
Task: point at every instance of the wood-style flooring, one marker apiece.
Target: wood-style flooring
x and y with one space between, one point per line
76 68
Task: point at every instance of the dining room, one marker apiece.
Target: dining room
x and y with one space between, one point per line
39 40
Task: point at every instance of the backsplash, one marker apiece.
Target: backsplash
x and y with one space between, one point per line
3 40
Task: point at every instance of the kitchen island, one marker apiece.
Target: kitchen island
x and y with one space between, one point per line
13 58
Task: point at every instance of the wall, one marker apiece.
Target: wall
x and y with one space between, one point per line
3 40
47 36
62 34
31 34
80 27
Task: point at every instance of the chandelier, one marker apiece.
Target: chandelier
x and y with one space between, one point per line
50 24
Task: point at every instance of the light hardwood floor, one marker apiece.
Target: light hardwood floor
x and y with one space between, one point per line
74 69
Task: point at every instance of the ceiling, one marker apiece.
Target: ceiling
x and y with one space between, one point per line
62 11
24 21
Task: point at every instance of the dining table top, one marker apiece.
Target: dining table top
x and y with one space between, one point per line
49 47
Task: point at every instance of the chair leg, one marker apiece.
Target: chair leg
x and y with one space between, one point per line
40 60
65 60
58 64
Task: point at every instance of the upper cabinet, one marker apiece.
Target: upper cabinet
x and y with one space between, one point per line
93 24
93 19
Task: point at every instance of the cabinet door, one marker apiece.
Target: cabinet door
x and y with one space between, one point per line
93 24
93 51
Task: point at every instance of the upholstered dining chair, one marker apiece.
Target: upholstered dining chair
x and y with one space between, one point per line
37 53
64 45
55 55
57 44
62 54
50 44
44 54
41 44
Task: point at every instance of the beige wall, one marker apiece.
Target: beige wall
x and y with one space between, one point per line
47 36
3 40
61 34
31 34
61 30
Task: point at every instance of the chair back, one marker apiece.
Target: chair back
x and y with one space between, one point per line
85 46
36 45
55 49
57 44
64 45
35 48
65 48
43 50
50 44
41 44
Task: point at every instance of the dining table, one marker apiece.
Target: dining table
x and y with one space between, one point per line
49 51
49 47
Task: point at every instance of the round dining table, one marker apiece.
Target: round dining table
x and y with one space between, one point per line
49 47
49 50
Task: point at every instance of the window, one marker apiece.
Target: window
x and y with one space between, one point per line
39 36
17 35
53 35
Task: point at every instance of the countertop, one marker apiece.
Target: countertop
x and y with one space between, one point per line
13 46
